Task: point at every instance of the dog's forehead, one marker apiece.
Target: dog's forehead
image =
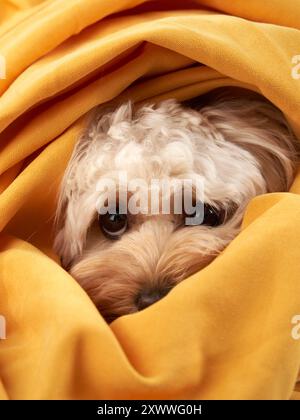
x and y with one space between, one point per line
170 142
222 169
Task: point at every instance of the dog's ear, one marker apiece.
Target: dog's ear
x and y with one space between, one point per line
253 123
76 207
66 241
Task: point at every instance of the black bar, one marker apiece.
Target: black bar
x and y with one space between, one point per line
127 409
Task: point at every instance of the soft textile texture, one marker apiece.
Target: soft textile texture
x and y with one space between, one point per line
226 331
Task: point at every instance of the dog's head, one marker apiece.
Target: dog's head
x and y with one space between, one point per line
235 148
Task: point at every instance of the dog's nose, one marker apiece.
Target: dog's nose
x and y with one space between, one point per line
148 297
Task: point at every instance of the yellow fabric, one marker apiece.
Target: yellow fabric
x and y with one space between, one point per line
226 331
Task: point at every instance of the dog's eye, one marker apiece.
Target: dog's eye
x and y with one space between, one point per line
212 216
113 225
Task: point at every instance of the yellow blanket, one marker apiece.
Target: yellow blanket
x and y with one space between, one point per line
228 331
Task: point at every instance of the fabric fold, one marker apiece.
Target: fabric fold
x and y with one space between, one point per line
224 333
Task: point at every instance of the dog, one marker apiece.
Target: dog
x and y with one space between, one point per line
237 144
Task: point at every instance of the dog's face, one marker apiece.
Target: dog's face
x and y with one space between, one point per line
126 262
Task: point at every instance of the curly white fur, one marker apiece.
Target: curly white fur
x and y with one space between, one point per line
238 147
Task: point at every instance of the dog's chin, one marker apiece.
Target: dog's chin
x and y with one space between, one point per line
119 289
